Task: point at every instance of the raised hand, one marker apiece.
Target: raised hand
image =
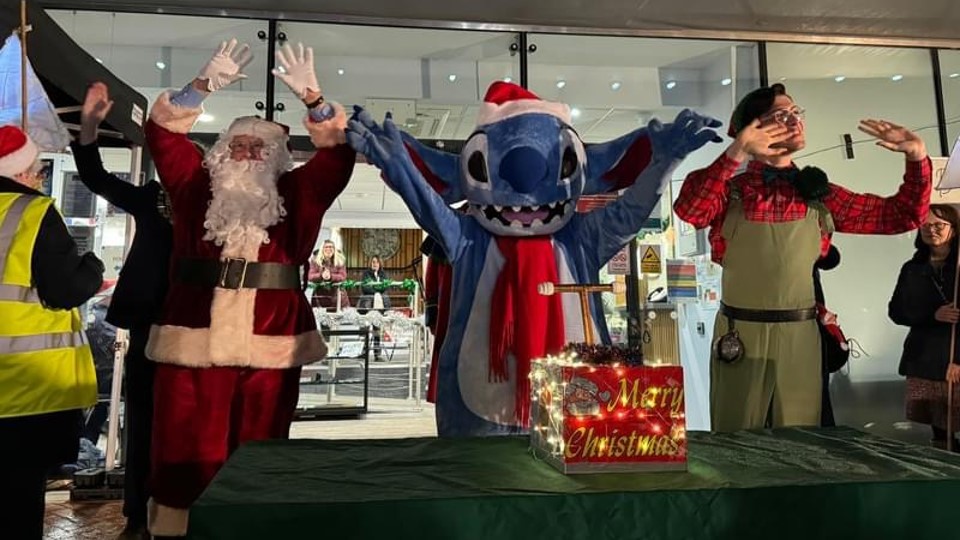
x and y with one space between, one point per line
226 65
686 134
96 107
894 137
757 140
298 72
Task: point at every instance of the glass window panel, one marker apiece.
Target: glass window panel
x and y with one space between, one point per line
431 80
153 53
838 86
950 70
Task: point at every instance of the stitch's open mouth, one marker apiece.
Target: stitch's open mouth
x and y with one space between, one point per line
525 216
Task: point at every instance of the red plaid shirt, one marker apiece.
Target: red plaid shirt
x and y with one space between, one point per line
704 197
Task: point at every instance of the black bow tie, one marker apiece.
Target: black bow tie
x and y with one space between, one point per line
771 174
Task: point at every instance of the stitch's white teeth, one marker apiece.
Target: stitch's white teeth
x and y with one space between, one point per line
498 208
517 208
536 223
516 224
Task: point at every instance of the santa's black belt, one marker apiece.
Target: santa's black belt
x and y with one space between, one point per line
768 315
238 274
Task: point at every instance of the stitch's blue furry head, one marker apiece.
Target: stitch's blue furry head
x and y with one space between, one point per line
524 169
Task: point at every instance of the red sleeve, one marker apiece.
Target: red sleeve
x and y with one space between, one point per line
176 158
320 181
865 213
704 193
313 274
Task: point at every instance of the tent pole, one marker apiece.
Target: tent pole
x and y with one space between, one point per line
953 347
23 65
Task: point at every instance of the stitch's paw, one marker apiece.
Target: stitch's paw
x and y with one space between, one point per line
381 145
686 134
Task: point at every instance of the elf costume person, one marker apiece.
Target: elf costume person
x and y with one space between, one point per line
236 326
768 226
521 173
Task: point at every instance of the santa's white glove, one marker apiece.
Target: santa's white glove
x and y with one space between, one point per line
297 72
226 66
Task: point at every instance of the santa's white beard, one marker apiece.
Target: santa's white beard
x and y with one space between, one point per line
245 203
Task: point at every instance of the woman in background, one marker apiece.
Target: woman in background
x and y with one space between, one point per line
923 300
374 298
328 269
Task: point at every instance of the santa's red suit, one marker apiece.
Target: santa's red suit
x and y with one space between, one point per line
229 353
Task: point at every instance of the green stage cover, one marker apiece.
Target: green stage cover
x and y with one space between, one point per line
776 484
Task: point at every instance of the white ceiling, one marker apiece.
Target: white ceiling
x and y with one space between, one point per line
856 21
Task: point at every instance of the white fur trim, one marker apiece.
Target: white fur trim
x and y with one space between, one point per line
491 112
165 520
193 347
268 132
19 160
231 325
328 133
173 118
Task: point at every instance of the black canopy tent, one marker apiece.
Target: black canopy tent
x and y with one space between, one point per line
65 70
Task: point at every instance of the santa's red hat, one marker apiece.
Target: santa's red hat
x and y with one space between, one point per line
17 151
504 100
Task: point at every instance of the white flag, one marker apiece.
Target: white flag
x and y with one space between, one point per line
950 177
43 124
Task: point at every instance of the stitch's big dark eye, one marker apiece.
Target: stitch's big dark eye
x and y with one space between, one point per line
568 165
477 165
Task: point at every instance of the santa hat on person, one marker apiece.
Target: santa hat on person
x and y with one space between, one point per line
17 152
505 100
265 130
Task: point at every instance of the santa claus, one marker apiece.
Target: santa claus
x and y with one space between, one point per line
236 325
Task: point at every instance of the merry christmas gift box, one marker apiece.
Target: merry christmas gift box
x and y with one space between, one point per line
594 409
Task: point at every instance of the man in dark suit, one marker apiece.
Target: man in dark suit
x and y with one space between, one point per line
137 298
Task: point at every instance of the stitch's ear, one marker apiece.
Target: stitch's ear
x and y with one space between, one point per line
440 169
617 164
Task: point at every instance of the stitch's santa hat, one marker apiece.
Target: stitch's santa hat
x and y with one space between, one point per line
505 100
17 151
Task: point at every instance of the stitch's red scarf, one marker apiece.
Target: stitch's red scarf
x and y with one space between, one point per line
522 321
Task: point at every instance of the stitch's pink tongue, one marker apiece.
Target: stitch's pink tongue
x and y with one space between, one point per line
525 217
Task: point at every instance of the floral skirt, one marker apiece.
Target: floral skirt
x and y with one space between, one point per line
927 403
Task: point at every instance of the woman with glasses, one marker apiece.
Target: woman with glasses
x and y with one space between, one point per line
328 269
923 301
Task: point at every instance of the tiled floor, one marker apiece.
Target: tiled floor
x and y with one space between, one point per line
81 521
388 418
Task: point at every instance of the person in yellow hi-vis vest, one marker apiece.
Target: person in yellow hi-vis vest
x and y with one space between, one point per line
47 374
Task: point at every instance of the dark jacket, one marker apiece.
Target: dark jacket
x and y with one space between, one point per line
920 291
143 280
369 276
63 278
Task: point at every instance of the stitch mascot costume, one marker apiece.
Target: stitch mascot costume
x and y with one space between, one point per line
521 173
